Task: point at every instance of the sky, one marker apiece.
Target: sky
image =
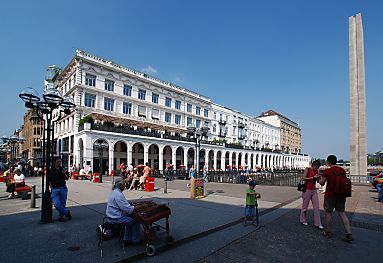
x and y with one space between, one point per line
251 56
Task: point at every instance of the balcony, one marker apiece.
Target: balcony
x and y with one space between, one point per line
241 125
177 138
123 130
233 145
222 122
241 137
212 143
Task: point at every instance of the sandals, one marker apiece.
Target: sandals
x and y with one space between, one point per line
348 238
326 234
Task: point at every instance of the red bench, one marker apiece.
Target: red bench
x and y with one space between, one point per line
23 191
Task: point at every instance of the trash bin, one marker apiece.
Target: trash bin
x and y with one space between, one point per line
96 178
149 184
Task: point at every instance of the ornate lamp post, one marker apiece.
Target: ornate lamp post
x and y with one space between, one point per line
198 134
12 141
100 146
50 103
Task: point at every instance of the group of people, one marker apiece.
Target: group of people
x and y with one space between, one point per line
135 178
13 177
332 201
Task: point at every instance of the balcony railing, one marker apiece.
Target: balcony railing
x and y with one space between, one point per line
124 130
212 143
241 124
233 145
177 138
222 122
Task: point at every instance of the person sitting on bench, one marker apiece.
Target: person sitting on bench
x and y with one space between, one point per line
18 180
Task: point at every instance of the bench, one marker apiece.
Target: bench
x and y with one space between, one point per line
23 191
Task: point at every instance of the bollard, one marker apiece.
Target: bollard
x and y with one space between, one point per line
33 197
166 187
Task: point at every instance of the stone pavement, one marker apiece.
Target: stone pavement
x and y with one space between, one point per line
286 240
204 229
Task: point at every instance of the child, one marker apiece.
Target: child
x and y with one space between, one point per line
251 202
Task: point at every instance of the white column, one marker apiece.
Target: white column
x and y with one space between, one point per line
186 158
174 157
111 157
146 153
223 161
161 157
215 160
129 153
207 157
88 153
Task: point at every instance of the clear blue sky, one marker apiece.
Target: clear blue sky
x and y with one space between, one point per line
290 56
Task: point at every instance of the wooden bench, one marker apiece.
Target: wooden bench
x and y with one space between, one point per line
23 191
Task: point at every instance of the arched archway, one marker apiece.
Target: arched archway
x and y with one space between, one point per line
120 154
191 154
179 157
167 153
137 154
219 161
100 157
211 159
153 156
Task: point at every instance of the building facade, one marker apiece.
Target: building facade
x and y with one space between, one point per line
32 131
144 119
290 132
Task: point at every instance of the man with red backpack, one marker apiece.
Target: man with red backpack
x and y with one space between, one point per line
338 188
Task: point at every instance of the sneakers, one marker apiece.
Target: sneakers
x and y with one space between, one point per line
320 227
304 223
68 215
348 238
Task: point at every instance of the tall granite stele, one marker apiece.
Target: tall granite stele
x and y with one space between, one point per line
358 135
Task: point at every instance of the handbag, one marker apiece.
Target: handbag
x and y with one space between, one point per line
302 186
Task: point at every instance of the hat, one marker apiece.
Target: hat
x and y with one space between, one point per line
252 183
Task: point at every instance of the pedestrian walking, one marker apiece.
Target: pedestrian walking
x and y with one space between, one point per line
332 200
310 176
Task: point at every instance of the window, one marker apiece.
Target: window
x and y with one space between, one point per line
141 94
189 121
168 102
168 117
198 123
214 128
155 98
90 80
108 104
178 104
206 124
215 115
155 114
90 100
177 119
127 90
141 111
109 85
198 110
189 108
127 108
206 113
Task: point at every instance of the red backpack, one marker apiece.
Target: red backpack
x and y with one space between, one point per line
342 185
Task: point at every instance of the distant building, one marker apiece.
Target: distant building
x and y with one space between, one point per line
145 119
291 137
32 131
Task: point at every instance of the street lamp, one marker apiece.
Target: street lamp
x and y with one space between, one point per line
100 146
12 141
198 134
50 103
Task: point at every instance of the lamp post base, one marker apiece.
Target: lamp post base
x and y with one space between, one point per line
46 208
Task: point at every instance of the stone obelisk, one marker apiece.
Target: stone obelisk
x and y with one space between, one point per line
358 135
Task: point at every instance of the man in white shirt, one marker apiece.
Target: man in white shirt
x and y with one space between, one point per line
119 210
18 177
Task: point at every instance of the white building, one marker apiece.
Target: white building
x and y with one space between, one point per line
144 119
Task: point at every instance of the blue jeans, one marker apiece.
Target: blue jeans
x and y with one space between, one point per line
380 191
59 196
132 227
250 211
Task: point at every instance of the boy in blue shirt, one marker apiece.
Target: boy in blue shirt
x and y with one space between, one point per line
251 203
